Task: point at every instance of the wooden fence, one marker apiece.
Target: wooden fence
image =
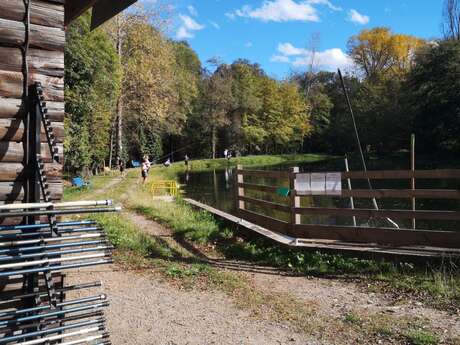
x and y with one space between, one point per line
378 235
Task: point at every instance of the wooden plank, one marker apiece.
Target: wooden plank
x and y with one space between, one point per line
74 8
11 85
382 213
11 108
41 13
11 152
258 187
382 236
12 191
403 193
13 130
264 173
46 62
16 172
265 221
266 204
403 174
13 33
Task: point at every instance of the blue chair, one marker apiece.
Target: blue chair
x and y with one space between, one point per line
135 164
79 182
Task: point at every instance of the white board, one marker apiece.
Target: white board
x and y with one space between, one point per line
302 184
333 183
318 183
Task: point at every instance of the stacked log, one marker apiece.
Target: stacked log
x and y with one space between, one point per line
45 60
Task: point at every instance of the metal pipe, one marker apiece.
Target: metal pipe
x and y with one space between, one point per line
4 323
56 268
62 304
352 201
60 212
84 203
51 246
64 289
87 339
62 336
52 261
55 253
60 231
50 331
55 322
49 239
46 225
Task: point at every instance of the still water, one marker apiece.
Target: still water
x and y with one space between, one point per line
216 188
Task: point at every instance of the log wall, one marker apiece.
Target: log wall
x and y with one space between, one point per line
45 61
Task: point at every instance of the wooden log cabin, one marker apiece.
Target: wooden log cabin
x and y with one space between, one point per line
32 39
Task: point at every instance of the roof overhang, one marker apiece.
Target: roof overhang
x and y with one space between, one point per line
103 10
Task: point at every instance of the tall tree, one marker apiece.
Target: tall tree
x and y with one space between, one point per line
451 24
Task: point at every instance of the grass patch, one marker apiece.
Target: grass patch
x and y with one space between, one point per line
422 337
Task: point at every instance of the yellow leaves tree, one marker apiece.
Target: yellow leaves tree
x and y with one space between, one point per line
379 53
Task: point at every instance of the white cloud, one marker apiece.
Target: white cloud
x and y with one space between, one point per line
189 25
215 25
192 10
358 18
329 59
280 11
283 10
279 58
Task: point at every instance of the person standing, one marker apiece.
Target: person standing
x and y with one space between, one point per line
186 160
225 153
145 169
121 166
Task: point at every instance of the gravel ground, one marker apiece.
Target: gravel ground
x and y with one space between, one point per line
145 310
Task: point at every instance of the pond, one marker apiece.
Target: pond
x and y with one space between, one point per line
216 188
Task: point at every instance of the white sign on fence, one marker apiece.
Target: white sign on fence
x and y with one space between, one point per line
302 184
318 183
333 183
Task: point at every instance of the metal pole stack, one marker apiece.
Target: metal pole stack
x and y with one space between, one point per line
34 256
39 254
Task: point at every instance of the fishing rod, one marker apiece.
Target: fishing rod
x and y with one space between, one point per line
95 306
41 294
46 225
84 203
50 239
49 339
363 160
89 339
52 246
60 212
55 253
46 307
55 268
22 235
52 330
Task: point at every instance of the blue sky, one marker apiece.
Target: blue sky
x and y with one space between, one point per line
275 33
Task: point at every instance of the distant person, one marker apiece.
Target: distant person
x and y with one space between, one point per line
121 166
145 169
186 159
229 155
167 163
225 153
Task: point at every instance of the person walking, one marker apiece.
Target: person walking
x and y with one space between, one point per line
186 160
121 166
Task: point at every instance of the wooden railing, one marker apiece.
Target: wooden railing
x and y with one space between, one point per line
378 235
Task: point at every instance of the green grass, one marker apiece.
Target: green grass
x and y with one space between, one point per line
422 337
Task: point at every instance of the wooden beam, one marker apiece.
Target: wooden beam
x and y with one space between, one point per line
272 224
103 10
75 8
264 173
16 172
258 187
12 191
403 193
13 130
403 174
43 37
11 108
46 62
11 152
41 12
266 204
381 213
382 236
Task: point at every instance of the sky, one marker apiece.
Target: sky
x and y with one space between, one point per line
277 34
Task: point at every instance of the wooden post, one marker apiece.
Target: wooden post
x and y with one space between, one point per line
412 166
352 201
239 190
295 200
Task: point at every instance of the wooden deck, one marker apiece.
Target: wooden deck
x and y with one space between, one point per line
331 245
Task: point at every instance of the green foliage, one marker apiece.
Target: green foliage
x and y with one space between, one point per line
92 82
420 337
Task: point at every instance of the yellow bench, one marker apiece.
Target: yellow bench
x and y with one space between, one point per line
161 187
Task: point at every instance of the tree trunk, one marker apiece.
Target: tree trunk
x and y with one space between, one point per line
213 141
120 99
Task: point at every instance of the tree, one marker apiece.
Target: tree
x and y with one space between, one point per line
451 25
379 53
92 81
434 97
